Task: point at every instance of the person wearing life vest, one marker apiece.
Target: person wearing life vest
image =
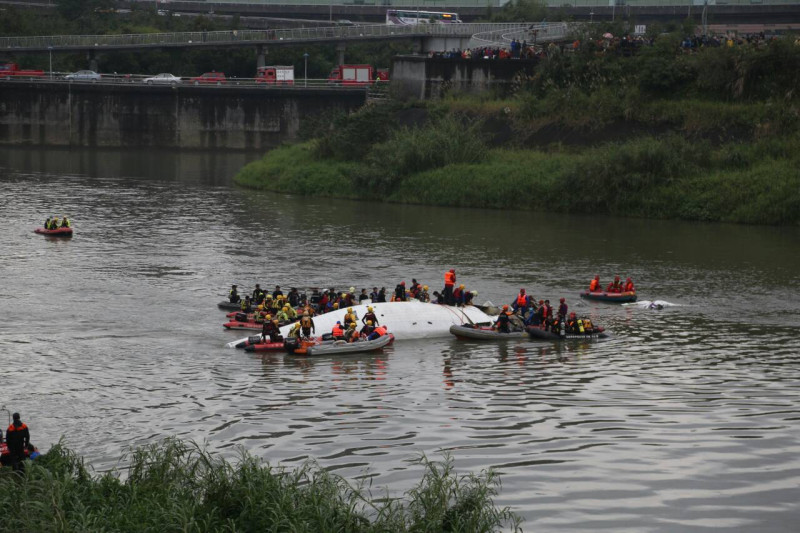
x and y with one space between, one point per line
294 333
458 295
537 318
562 309
350 318
337 332
351 335
415 288
233 295
502 324
400 292
380 331
246 305
521 303
55 222
370 315
548 315
269 329
258 295
572 324
594 285
65 222
17 438
423 295
307 325
368 328
47 223
629 286
449 282
283 314
614 286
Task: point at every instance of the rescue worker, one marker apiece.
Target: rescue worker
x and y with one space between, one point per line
400 292
367 329
629 286
350 318
258 294
351 335
17 438
468 296
283 314
537 318
267 329
307 325
291 311
502 324
423 295
54 223
233 295
370 315
521 303
594 285
562 309
337 332
380 331
247 305
548 315
294 297
449 281
572 324
615 286
458 295
65 222
47 223
294 333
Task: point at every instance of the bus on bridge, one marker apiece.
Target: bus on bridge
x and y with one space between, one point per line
400 17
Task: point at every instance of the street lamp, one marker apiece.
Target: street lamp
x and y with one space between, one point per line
50 51
305 69
591 17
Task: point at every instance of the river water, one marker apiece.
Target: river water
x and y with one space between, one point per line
687 420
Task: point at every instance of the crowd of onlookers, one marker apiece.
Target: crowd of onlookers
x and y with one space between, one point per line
625 45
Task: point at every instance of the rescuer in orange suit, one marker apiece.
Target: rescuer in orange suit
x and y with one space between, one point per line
17 438
616 286
629 286
449 281
594 285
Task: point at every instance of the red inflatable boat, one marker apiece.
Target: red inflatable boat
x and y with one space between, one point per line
58 232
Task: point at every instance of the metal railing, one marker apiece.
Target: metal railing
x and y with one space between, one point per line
250 37
531 33
138 80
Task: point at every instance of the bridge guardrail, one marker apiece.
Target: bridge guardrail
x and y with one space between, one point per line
138 80
234 37
541 32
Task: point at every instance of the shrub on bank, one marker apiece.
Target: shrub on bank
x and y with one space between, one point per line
175 486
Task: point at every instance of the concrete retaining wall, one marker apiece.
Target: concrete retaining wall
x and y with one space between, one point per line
236 118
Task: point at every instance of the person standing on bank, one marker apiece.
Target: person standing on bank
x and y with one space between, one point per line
17 438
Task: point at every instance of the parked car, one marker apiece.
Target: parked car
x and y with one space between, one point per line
162 79
209 77
83 75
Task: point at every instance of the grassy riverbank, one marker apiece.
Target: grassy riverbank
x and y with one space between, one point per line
713 136
174 486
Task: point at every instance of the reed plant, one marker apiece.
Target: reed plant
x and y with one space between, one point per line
175 486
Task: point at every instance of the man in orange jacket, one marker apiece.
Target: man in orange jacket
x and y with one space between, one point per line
17 438
449 281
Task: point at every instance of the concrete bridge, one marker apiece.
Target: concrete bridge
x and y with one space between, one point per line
428 37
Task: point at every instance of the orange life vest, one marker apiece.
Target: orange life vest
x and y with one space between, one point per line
449 278
522 300
380 330
337 331
629 287
594 285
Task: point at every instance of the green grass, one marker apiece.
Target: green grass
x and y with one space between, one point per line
175 486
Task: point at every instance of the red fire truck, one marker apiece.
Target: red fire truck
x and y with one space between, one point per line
9 70
357 75
275 75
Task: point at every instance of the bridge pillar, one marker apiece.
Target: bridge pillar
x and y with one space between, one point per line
261 56
340 49
91 58
417 46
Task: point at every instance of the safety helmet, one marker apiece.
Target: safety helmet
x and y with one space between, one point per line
505 307
424 287
453 270
461 286
349 309
352 289
572 314
285 307
628 279
562 300
369 308
403 283
474 293
342 295
522 291
336 305
338 322
268 317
